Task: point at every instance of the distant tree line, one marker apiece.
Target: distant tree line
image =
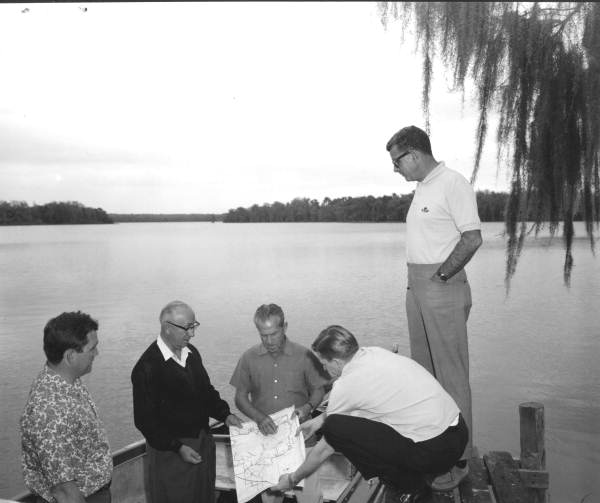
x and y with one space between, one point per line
392 208
166 217
70 212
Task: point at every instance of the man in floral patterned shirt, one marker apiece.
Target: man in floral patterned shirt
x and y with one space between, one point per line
65 452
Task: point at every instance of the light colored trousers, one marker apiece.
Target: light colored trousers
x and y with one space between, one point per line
437 325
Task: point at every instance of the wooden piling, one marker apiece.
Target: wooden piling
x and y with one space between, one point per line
533 453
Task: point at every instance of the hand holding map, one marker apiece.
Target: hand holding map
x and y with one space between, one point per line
259 460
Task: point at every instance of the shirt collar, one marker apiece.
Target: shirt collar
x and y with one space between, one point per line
353 361
287 348
53 376
167 353
434 172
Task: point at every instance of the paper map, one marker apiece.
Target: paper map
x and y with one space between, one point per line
259 460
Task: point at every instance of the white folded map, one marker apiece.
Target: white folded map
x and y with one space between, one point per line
259 460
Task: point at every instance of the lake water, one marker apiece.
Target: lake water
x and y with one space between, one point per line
541 343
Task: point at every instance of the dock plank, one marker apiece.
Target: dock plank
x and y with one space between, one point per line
475 488
505 478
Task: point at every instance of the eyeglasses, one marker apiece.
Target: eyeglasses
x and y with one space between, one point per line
191 326
396 161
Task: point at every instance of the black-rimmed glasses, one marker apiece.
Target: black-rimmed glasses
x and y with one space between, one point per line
191 326
396 161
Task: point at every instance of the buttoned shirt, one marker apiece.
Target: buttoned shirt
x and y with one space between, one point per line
276 382
62 437
443 207
382 386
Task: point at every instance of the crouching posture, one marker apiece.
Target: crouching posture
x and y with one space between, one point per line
387 414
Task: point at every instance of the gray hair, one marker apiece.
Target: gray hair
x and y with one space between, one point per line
169 308
266 311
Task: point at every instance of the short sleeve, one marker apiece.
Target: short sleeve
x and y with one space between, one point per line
241 375
462 203
339 402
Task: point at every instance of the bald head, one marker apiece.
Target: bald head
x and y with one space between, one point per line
172 309
177 325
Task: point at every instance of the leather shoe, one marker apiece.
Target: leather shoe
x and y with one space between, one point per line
449 480
393 495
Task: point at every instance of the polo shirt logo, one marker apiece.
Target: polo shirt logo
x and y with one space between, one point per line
425 209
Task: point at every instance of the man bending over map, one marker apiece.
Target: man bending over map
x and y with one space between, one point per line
275 374
387 414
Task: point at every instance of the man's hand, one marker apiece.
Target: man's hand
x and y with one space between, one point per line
233 420
437 279
67 492
303 412
285 483
189 455
267 426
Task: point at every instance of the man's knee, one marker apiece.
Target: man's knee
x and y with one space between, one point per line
335 429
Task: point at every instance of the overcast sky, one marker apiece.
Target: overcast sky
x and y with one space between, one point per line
203 107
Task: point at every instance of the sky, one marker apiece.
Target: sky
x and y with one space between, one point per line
203 107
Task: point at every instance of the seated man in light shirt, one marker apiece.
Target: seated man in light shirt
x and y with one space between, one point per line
387 414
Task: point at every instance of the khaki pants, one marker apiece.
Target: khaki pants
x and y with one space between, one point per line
437 325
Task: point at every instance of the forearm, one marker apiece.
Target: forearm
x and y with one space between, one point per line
245 406
67 492
464 250
316 397
315 458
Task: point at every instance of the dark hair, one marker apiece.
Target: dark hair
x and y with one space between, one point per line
266 311
335 342
410 137
67 331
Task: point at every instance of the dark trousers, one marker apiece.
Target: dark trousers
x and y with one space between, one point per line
172 480
377 450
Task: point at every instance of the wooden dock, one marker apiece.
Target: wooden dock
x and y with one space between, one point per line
497 477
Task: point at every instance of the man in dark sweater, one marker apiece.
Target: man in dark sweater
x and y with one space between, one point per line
172 401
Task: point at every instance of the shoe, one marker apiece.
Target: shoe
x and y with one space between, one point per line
449 480
393 495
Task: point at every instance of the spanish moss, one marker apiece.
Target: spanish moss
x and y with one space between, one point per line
537 65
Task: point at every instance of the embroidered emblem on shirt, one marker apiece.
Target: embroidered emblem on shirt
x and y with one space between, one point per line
425 209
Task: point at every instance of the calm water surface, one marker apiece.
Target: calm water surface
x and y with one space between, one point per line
538 344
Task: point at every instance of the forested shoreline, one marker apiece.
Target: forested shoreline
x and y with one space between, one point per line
392 208
491 206
54 213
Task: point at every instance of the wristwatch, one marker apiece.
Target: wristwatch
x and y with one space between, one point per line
441 275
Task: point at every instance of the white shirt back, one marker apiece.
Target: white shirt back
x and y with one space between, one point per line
395 390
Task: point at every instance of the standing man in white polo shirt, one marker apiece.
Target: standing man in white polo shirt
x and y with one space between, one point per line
443 233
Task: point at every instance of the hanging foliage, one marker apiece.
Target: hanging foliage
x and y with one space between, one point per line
537 66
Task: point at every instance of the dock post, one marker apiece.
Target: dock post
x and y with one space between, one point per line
533 452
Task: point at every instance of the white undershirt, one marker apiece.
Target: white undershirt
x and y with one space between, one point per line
167 353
